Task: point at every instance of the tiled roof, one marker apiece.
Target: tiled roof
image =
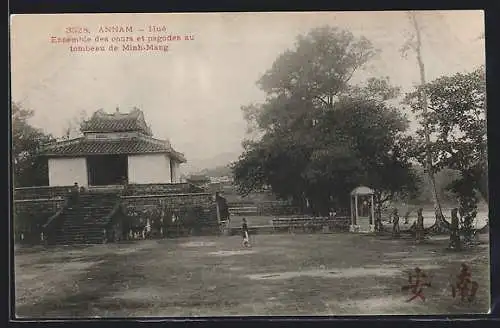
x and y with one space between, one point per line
116 122
83 146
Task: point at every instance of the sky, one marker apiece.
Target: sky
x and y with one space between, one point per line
192 94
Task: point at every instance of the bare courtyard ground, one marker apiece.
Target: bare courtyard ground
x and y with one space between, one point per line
321 274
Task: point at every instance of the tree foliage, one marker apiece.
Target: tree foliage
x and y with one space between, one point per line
73 126
457 124
27 141
320 136
443 179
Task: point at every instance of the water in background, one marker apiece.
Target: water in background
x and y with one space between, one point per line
429 218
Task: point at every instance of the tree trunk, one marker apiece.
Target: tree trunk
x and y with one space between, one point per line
378 213
424 105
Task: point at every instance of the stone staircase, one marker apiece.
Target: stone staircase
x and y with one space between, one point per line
85 222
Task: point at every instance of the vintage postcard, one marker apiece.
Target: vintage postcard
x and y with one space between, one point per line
249 164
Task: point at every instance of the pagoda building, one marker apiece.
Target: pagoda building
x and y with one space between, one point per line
115 148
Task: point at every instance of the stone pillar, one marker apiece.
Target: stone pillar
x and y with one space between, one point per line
356 209
351 226
373 210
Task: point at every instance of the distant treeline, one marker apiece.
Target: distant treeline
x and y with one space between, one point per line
422 197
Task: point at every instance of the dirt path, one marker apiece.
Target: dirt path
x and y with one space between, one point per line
280 275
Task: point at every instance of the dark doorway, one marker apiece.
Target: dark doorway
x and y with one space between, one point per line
107 169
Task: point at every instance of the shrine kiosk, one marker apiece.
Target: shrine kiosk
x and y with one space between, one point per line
362 210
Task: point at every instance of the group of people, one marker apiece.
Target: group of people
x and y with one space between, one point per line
419 225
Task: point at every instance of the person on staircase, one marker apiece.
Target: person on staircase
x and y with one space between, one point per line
74 195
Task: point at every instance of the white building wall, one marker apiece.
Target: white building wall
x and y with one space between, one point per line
67 171
149 168
176 174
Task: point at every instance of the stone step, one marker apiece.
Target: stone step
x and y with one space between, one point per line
89 228
88 210
98 198
82 228
83 223
80 237
92 206
82 234
87 233
102 197
86 217
78 242
75 218
84 220
86 207
81 231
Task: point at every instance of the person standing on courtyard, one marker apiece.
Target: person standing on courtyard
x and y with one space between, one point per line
395 224
244 231
420 225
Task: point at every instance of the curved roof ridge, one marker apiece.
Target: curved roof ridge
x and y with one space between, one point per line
62 143
152 139
103 122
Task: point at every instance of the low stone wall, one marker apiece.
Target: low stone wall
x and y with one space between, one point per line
28 216
272 208
45 192
160 189
48 192
194 213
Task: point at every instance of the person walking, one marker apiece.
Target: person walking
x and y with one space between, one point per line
244 231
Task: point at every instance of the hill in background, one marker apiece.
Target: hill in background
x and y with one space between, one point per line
217 172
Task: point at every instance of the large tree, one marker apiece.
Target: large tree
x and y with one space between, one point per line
27 141
320 135
415 43
73 126
457 126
